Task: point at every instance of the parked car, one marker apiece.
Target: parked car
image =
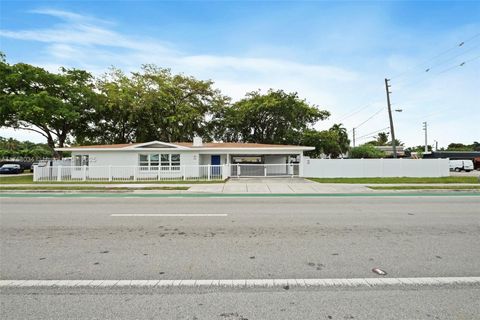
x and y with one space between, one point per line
459 165
11 168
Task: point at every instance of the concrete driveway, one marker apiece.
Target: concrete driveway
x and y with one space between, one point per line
277 185
474 173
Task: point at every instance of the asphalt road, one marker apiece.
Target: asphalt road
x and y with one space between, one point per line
242 238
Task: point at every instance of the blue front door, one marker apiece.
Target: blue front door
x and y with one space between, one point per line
215 161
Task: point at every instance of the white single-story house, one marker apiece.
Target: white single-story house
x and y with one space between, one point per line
177 160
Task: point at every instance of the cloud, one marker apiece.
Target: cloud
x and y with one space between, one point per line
94 44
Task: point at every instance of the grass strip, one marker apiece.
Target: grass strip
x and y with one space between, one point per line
455 179
425 187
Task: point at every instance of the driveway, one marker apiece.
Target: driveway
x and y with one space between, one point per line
474 173
277 185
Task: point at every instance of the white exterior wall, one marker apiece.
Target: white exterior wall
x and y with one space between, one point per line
112 158
108 158
363 168
190 160
205 159
131 158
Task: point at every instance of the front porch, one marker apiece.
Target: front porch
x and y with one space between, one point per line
256 165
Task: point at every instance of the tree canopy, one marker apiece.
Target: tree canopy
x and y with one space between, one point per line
14 149
273 117
75 107
366 151
50 104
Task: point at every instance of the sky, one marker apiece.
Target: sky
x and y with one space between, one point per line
335 54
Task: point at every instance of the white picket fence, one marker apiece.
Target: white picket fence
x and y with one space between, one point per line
158 173
129 173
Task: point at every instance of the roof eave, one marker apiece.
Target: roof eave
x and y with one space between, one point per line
301 148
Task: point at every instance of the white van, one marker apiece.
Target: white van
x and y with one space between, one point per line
459 165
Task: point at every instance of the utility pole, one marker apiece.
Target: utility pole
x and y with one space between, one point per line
392 131
354 137
426 140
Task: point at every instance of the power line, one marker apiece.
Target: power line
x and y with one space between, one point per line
348 115
370 133
369 118
458 45
451 58
438 73
459 65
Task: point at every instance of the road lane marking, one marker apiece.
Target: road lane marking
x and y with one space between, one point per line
246 283
169 215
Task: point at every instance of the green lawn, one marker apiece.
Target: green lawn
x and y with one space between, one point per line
29 180
397 180
84 188
456 187
16 179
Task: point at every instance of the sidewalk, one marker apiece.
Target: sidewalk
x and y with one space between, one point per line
280 185
245 186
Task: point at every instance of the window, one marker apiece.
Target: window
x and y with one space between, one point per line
85 160
81 160
154 161
175 161
78 160
143 160
165 160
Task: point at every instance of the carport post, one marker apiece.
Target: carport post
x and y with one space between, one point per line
59 173
265 170
301 165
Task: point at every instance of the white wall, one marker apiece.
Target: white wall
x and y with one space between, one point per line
108 158
362 168
113 158
130 158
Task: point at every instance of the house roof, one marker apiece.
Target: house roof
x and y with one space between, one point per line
233 145
105 146
184 146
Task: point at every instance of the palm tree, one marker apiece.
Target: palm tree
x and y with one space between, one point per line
343 141
381 139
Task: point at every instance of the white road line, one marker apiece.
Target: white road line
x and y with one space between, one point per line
169 215
246 283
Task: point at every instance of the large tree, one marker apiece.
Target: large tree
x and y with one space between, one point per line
274 117
116 116
177 107
153 104
332 143
51 104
